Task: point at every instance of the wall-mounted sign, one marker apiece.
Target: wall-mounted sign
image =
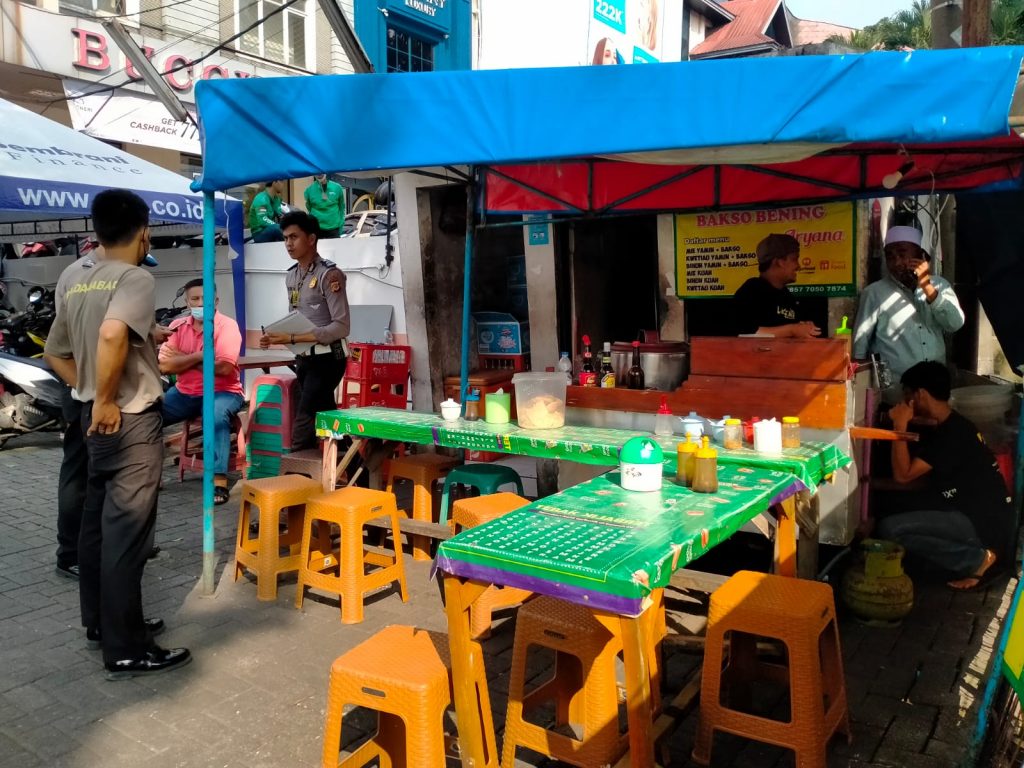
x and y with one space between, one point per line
626 32
715 250
436 14
128 118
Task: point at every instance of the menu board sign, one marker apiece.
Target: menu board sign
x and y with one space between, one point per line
715 251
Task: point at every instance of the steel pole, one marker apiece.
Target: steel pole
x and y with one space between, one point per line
209 304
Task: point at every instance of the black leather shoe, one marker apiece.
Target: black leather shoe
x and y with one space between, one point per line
94 641
68 571
153 662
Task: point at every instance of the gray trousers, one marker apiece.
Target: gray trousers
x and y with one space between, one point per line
117 530
74 469
943 538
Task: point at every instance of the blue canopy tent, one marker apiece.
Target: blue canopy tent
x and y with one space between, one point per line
593 141
693 135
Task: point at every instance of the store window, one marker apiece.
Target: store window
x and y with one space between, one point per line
409 53
282 37
99 7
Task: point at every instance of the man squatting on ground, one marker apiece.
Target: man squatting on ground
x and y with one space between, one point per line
100 344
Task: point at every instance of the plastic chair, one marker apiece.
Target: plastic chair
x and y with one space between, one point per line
190 447
350 509
487 478
583 685
468 513
271 495
802 615
411 698
424 470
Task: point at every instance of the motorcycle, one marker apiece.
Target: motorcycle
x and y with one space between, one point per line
30 392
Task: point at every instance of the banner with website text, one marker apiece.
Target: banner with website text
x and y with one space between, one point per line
715 251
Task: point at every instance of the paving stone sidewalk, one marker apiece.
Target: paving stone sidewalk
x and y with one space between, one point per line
256 692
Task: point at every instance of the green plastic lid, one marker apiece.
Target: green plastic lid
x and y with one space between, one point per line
641 450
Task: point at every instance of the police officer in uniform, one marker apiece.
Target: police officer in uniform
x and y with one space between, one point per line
316 288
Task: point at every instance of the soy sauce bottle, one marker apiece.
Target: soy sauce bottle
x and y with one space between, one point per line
635 377
588 376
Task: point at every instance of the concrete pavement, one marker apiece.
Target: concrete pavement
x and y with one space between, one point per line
256 692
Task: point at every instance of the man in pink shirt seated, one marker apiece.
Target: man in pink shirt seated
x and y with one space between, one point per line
182 355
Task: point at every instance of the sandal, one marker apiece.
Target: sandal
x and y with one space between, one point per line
220 495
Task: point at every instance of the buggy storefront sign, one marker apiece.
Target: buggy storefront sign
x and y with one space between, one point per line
715 250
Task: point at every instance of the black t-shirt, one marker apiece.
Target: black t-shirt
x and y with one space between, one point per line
759 304
965 477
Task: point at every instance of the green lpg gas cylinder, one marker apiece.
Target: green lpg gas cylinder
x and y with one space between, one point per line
876 588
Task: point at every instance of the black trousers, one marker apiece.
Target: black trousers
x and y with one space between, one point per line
74 469
117 530
319 376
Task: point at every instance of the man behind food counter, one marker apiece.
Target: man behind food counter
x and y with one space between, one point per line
902 317
764 304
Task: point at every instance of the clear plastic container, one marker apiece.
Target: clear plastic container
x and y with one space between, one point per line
685 453
540 399
663 419
705 468
790 432
732 435
473 405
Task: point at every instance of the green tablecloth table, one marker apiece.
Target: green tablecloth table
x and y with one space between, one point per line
811 463
605 547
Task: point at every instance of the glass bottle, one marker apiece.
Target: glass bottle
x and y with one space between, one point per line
607 372
685 455
705 468
588 376
790 432
732 435
635 377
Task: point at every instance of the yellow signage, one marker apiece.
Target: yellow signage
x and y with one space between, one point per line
715 250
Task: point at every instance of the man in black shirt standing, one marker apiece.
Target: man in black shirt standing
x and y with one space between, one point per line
763 304
966 524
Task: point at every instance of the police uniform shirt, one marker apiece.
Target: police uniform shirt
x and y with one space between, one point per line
318 293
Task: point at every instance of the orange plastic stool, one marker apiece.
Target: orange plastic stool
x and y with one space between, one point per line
467 513
350 509
262 554
585 693
802 615
411 698
423 469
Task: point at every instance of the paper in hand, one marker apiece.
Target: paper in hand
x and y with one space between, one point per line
293 323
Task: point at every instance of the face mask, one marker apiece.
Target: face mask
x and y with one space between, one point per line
197 313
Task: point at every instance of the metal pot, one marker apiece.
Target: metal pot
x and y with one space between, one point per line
666 363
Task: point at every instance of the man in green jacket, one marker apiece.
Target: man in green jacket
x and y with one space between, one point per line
265 213
325 200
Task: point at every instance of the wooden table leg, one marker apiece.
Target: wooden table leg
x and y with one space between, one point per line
477 743
636 632
808 514
329 465
785 538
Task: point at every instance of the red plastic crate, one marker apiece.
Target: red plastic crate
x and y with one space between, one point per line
378 362
358 394
514 363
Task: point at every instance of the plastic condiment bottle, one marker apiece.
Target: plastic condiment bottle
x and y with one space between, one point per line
732 434
473 405
663 418
790 432
685 453
705 468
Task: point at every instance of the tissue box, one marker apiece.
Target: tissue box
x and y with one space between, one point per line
499 333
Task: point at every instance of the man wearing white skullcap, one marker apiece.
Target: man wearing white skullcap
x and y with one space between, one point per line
902 317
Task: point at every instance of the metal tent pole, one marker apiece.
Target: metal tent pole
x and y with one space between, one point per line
467 282
209 303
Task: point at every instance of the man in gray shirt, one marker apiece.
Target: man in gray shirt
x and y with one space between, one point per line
100 345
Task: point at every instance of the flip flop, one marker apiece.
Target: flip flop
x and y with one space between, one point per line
220 495
993 572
